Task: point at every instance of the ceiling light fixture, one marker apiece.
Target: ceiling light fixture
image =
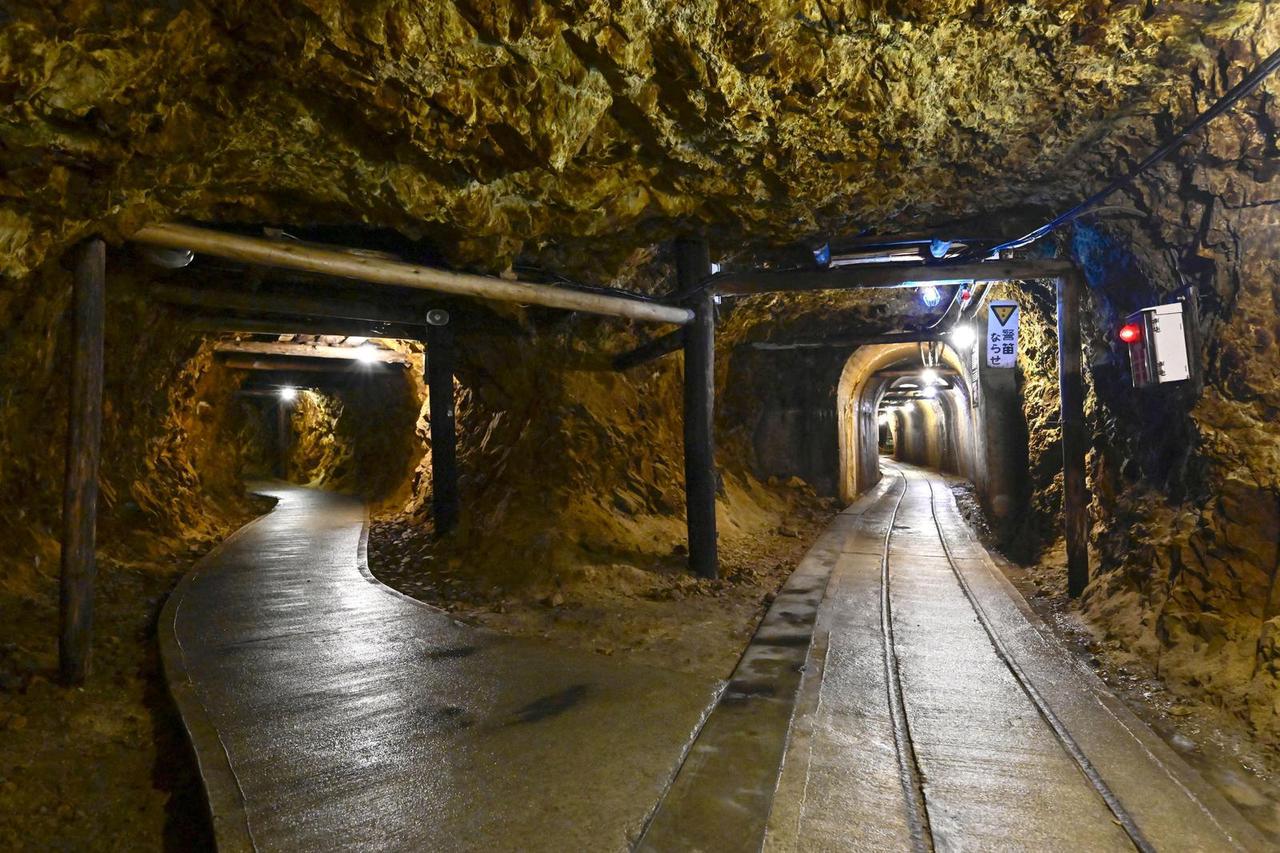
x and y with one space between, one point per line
963 337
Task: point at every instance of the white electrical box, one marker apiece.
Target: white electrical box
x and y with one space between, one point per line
1158 351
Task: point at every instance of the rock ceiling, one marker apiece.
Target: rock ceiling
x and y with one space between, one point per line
496 128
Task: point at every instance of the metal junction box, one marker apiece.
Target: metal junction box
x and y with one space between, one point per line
1159 352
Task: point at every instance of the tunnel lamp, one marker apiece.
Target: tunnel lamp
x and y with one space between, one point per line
963 337
366 354
1130 332
930 295
288 394
930 392
928 377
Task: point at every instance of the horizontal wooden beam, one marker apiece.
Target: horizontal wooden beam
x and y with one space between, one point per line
332 367
843 341
286 255
345 355
886 275
225 299
649 350
327 326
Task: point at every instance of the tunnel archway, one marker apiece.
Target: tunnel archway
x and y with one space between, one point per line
937 432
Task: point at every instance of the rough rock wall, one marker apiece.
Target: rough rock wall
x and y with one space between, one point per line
1186 487
316 455
362 438
168 474
574 132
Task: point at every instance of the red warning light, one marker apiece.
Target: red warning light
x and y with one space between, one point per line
1130 332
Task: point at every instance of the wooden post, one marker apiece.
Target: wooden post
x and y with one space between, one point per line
693 264
1075 500
84 438
444 437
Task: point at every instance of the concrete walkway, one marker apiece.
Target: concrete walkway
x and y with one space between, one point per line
329 712
935 711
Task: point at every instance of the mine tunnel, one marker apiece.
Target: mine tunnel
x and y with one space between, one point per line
639 426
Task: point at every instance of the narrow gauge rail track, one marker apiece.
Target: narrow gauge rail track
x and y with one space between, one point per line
913 779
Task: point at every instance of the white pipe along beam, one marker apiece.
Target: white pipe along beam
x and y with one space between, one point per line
284 255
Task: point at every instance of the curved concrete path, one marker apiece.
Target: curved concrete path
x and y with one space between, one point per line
329 712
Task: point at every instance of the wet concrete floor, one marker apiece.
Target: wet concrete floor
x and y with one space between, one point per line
329 712
935 711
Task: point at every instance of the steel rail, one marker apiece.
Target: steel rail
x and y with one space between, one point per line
908 763
1059 729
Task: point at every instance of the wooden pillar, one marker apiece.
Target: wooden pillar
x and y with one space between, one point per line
1075 500
84 438
693 264
444 436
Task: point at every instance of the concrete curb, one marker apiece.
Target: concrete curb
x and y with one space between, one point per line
223 797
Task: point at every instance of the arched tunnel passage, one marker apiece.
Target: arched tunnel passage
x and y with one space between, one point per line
929 412
819 415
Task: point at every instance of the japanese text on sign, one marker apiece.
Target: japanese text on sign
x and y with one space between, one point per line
1002 334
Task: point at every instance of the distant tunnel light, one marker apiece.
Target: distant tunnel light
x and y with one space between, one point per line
963 337
366 354
1130 333
930 392
288 394
928 377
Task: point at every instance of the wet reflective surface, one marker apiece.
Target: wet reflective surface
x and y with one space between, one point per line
330 712
994 771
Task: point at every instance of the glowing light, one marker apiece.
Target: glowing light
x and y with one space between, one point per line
930 392
963 337
288 394
1130 332
930 295
884 419
929 376
822 255
366 354
939 248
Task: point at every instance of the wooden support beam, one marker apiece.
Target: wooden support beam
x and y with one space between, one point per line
286 255
693 264
885 275
1075 503
84 437
318 366
250 302
444 436
650 350
226 323
318 352
848 341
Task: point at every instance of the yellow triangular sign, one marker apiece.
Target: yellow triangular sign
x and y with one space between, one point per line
1003 312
